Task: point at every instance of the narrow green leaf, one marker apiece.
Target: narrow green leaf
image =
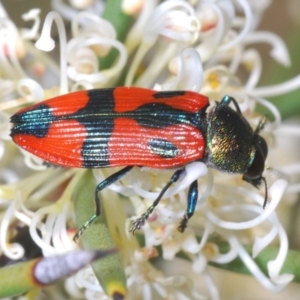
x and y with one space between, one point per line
109 270
17 279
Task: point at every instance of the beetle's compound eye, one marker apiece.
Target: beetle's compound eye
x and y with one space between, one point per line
254 173
257 167
258 164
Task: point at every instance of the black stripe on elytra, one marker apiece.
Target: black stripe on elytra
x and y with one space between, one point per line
168 94
160 115
36 121
163 147
98 119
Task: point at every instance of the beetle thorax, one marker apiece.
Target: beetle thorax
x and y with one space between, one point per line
229 140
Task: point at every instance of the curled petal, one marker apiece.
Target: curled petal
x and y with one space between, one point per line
230 255
46 43
274 266
30 89
261 243
13 251
175 20
102 76
279 50
276 191
32 15
189 70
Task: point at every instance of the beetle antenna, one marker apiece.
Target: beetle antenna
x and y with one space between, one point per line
266 192
261 124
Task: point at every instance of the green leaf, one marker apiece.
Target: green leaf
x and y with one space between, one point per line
17 279
109 270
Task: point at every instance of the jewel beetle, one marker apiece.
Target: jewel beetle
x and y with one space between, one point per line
131 126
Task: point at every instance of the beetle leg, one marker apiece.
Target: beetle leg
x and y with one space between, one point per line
138 223
192 201
103 184
227 99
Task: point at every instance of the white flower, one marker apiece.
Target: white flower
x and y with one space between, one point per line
173 45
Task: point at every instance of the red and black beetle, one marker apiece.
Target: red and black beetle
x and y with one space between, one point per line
129 126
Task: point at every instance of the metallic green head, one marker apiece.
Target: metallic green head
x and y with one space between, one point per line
232 145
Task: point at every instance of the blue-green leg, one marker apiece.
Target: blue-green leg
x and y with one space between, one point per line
108 181
192 201
138 223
